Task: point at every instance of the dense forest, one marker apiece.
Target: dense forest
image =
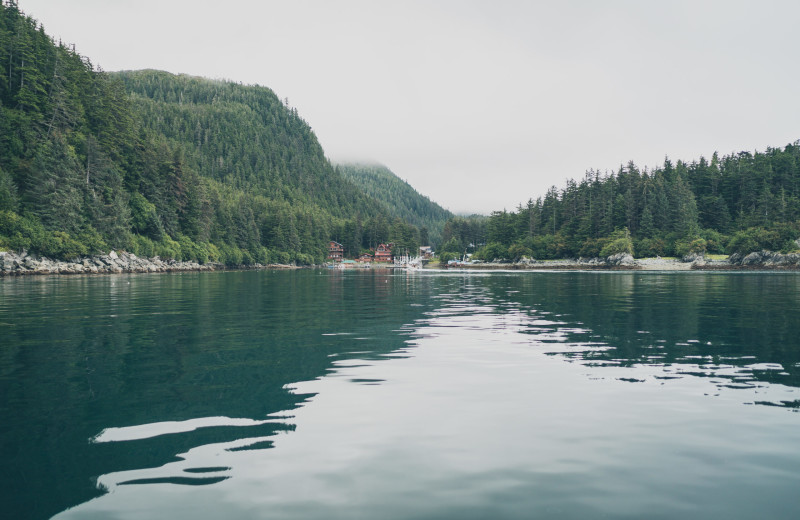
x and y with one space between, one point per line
400 198
737 203
193 169
163 165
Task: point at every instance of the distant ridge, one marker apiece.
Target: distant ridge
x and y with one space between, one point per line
399 197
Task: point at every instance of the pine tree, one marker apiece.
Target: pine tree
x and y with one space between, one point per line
8 192
55 183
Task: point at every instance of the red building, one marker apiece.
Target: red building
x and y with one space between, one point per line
335 251
365 258
384 253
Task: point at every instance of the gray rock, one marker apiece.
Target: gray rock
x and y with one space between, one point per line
620 259
753 258
694 258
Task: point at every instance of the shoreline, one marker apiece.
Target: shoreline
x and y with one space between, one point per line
759 261
24 264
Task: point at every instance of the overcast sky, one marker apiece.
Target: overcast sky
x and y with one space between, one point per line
480 105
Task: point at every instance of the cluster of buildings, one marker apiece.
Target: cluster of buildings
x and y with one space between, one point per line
381 254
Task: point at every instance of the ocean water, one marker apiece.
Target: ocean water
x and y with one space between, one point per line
381 394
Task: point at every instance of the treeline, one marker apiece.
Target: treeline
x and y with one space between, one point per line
157 164
65 136
462 235
362 236
738 203
244 137
402 201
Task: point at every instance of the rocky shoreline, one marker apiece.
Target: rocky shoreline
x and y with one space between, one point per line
20 264
13 264
763 260
759 260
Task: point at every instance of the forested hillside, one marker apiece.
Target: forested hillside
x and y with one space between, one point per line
739 203
159 164
399 197
245 137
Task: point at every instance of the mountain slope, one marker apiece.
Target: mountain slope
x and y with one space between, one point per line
160 164
243 136
402 200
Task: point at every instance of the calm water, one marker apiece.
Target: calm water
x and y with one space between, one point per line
365 395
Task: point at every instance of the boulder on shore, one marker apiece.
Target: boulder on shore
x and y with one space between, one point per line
766 259
12 263
620 259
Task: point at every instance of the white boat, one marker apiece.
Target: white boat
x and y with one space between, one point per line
406 262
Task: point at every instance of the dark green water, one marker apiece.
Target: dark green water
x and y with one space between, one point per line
319 394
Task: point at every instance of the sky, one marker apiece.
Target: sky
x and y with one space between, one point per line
480 105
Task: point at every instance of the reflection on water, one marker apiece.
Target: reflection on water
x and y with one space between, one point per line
737 330
394 395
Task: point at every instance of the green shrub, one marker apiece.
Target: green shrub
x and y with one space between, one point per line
144 217
213 252
27 233
650 247
517 251
142 246
453 245
548 246
192 251
618 242
94 243
615 247
754 239
715 241
591 247
304 259
17 232
492 251
690 245
167 248
61 245
446 256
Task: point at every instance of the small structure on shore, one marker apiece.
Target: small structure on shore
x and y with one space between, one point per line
335 251
383 253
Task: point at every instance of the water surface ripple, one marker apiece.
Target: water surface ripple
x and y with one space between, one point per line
319 394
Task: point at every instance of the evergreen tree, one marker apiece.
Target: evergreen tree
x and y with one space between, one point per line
55 186
8 192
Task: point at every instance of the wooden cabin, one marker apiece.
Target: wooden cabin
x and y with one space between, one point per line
383 253
335 251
